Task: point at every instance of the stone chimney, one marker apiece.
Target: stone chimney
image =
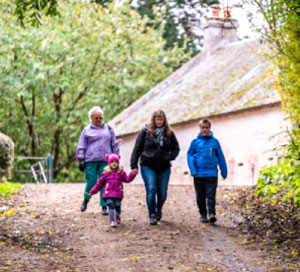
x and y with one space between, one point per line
218 30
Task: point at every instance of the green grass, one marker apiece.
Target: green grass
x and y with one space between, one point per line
8 188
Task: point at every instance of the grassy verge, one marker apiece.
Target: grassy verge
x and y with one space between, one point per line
8 188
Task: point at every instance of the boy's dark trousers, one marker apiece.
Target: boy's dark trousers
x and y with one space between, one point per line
206 189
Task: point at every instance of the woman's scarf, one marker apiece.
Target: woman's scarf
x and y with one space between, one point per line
160 133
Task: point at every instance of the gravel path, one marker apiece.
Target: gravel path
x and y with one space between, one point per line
42 229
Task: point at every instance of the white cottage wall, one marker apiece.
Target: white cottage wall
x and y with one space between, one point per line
247 139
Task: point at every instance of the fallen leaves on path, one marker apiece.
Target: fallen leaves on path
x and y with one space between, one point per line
43 230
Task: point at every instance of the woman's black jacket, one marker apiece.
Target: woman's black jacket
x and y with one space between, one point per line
151 154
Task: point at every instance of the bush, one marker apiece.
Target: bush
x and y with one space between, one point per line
8 188
280 182
6 154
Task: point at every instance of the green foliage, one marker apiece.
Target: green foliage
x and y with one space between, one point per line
51 76
8 188
282 34
31 11
103 3
182 20
280 182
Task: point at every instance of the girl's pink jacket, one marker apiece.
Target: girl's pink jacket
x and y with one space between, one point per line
113 184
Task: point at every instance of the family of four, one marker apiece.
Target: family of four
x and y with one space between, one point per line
155 147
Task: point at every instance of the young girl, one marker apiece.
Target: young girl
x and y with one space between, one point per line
111 181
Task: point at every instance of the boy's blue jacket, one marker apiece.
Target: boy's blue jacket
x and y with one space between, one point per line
204 155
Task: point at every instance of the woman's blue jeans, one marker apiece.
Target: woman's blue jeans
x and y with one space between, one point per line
156 185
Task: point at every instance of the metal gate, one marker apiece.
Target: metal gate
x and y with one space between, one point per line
40 171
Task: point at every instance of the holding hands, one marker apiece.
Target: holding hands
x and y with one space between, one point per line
135 171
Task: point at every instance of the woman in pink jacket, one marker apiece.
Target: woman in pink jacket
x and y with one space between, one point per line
111 181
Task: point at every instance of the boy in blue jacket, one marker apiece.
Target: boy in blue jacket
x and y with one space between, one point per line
204 155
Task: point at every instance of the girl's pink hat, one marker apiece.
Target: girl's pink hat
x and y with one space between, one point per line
112 157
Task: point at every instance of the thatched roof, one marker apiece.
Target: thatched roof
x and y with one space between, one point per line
232 78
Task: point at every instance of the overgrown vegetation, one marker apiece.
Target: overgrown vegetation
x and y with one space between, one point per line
280 182
282 33
8 188
31 11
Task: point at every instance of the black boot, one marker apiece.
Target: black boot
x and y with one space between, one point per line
158 214
104 210
84 205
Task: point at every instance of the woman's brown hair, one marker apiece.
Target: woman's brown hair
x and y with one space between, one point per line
151 125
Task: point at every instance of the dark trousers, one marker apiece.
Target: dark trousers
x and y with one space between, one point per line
206 189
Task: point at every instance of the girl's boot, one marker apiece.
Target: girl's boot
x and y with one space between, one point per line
112 217
118 218
118 214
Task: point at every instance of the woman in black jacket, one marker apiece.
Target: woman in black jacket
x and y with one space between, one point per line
155 146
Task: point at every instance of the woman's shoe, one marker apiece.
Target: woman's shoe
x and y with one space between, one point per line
84 205
153 219
158 214
104 210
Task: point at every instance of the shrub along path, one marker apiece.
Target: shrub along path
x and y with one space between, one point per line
42 229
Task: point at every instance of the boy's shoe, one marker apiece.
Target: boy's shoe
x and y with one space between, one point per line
104 210
153 219
118 218
203 219
84 205
158 214
212 218
113 224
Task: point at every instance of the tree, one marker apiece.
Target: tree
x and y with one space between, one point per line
31 11
282 33
182 20
50 76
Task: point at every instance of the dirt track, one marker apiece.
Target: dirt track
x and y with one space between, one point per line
49 233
